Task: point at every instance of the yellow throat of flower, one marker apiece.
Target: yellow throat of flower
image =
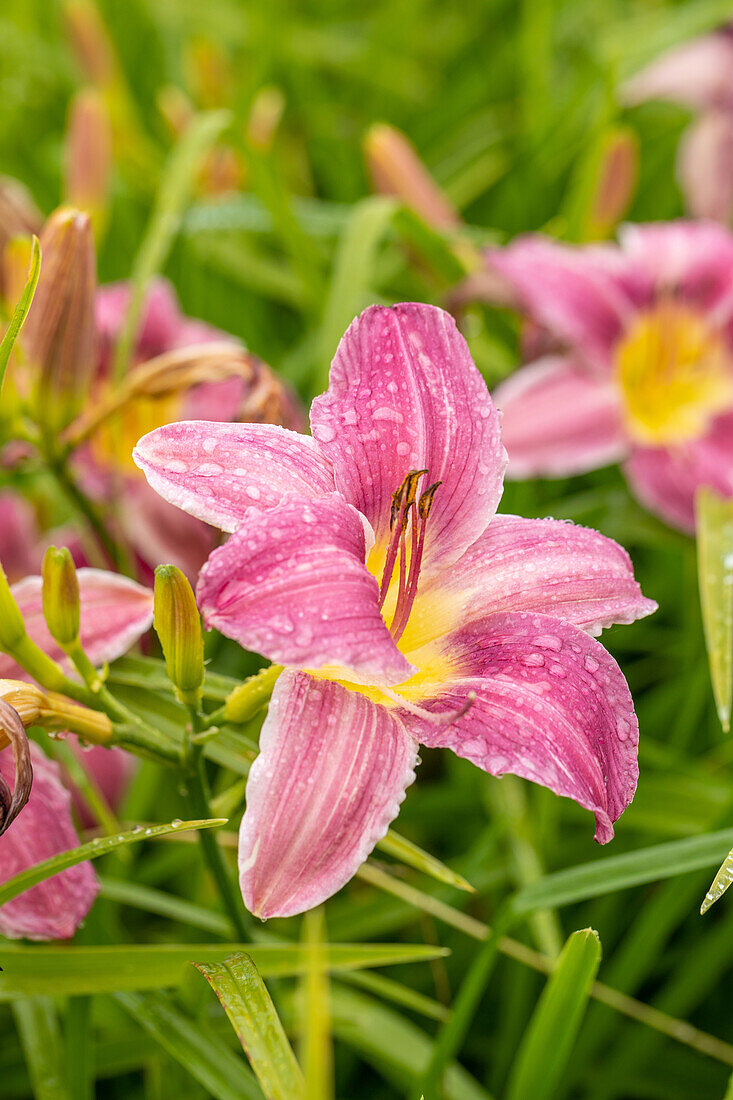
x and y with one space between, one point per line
113 442
675 375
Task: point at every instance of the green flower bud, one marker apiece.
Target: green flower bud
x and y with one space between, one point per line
178 626
12 627
61 596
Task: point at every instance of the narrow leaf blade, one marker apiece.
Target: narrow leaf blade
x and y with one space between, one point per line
714 526
21 310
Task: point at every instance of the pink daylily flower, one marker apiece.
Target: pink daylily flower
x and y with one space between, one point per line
115 612
642 370
699 75
369 560
53 909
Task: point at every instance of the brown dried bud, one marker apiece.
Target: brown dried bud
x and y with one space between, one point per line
60 333
88 154
12 802
396 169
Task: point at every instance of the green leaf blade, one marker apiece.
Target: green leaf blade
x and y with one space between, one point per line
714 526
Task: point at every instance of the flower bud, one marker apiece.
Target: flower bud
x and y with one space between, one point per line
614 183
178 626
12 627
19 217
60 596
90 41
397 170
89 154
60 333
27 699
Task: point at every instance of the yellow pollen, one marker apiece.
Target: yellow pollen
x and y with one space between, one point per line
675 375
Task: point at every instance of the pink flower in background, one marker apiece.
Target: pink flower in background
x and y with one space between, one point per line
643 371
115 612
699 75
157 532
54 909
369 560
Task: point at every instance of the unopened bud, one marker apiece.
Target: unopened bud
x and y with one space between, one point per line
19 217
12 627
396 169
265 114
615 180
90 41
60 596
89 154
178 626
60 333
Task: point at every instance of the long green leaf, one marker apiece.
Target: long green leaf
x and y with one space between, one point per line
353 273
51 970
93 849
40 1037
165 220
205 1056
714 527
246 1001
315 1049
21 310
604 876
720 883
549 1039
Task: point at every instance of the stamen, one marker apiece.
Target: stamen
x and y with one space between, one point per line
404 606
444 718
402 500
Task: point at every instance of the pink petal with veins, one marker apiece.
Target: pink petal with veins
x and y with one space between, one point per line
115 612
559 419
404 394
551 705
53 909
217 472
547 566
292 584
332 771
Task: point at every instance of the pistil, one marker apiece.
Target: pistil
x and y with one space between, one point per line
406 508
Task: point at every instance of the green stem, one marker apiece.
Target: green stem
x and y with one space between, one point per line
111 550
200 803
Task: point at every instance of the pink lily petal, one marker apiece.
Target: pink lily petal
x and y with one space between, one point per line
18 536
404 394
292 584
217 471
696 74
332 771
559 419
665 480
545 565
115 612
551 705
583 296
705 166
692 259
54 909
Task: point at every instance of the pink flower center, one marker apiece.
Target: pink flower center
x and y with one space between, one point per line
408 511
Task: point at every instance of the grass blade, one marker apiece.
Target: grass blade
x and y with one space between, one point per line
93 849
40 1037
549 1039
316 1053
407 852
165 220
246 1001
205 1056
603 876
56 971
21 310
720 883
714 526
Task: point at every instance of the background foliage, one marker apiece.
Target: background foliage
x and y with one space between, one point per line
508 104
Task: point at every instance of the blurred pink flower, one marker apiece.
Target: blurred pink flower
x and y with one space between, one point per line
368 559
699 75
54 909
643 367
